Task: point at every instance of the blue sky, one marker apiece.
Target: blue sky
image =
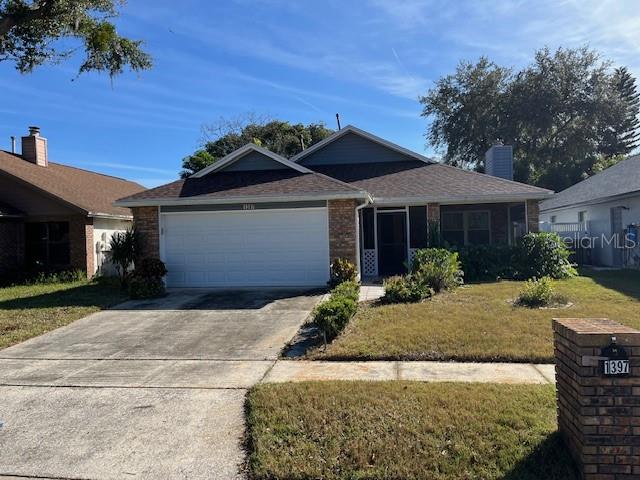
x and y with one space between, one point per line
301 61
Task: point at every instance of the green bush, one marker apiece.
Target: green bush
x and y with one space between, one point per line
333 315
151 267
543 254
145 287
405 289
437 268
488 262
349 290
536 293
123 250
342 270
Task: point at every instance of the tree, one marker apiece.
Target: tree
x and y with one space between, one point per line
31 30
560 113
278 136
624 138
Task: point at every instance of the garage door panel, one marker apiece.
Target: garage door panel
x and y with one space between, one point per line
263 247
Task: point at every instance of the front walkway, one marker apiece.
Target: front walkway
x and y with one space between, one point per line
298 371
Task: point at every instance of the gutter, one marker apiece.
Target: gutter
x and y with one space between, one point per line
111 216
149 202
596 201
462 199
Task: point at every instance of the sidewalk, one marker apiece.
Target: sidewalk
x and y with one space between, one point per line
298 371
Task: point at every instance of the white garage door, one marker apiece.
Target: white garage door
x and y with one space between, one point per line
246 248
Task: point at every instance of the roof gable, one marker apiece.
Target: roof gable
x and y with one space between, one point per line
250 157
351 145
619 179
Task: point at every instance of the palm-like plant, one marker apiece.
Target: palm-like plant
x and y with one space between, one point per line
124 250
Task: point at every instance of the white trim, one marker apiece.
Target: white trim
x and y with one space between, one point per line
245 211
526 217
241 152
596 201
369 136
406 209
358 209
110 216
254 199
461 199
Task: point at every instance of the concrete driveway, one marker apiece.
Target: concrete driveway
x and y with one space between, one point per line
146 390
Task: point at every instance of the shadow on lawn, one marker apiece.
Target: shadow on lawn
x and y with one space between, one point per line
549 461
88 295
626 282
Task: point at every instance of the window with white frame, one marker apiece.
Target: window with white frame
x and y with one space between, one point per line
471 227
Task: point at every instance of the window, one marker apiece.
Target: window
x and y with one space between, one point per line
466 228
582 216
47 244
553 218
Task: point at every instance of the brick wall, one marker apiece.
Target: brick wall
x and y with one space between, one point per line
145 221
533 216
11 244
598 416
80 242
342 229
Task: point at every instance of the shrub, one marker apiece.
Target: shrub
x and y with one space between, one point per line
145 287
124 248
488 262
536 293
543 254
342 270
333 315
405 289
30 276
151 267
437 268
349 290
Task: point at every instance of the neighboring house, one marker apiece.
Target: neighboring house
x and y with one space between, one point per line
54 216
255 218
602 212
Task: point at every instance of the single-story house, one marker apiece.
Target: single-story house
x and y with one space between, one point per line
601 214
255 218
54 216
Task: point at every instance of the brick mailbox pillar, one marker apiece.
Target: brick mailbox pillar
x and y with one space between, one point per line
598 404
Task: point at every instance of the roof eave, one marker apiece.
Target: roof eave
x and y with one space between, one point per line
147 202
593 201
462 199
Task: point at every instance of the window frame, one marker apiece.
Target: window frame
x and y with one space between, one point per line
46 243
465 224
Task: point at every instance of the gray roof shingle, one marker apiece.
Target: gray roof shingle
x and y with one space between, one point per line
619 179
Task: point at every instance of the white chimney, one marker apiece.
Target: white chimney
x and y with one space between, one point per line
498 161
34 148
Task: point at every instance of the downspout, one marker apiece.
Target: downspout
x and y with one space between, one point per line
368 201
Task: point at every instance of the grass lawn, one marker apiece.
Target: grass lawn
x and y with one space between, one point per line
30 310
404 430
477 323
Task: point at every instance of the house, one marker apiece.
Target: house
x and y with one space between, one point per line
54 216
602 213
255 218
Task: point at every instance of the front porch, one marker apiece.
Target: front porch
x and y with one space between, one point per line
391 234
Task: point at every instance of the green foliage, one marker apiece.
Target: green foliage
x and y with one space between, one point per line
24 276
151 267
333 315
543 254
278 136
124 248
348 289
145 287
488 262
561 113
31 34
437 268
405 289
536 293
342 270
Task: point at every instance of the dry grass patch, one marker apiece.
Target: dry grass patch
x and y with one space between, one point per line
480 323
30 310
404 430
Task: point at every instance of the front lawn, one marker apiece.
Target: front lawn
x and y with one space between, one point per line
405 430
30 310
477 322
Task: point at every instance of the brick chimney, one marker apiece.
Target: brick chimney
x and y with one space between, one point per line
34 148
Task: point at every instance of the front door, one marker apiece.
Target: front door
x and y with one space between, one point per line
392 243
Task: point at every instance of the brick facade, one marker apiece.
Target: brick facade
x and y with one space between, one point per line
146 222
342 230
80 242
598 416
533 216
